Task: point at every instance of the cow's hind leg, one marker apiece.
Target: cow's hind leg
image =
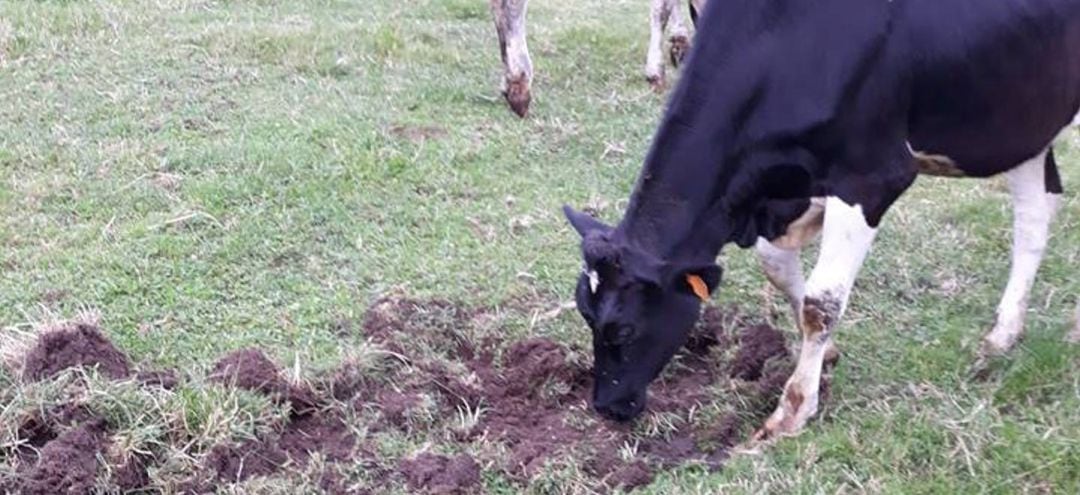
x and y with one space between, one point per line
846 239
679 34
509 18
659 12
1035 190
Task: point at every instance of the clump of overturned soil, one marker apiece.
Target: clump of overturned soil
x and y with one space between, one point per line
239 462
528 399
250 369
309 429
758 344
432 473
68 464
78 345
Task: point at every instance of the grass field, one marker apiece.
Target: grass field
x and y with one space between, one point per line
213 175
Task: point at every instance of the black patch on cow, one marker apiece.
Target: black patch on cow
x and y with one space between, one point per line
1051 175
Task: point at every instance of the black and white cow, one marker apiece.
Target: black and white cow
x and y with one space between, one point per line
509 16
800 117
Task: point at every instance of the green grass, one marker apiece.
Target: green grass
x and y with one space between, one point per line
210 175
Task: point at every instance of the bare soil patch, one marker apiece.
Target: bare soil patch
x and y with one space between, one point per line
512 407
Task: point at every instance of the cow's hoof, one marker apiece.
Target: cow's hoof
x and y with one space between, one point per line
791 414
832 356
517 95
680 48
657 83
999 341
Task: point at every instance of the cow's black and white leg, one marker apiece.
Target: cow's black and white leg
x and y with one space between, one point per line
1035 191
781 262
846 240
509 16
678 34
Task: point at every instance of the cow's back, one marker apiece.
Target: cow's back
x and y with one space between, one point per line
992 82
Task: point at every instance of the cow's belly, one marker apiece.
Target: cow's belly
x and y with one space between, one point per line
1000 93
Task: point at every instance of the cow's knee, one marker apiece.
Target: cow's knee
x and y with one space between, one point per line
820 312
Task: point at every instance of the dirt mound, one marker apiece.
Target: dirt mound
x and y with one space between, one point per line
438 474
516 408
250 369
241 461
131 475
78 345
67 464
758 344
324 433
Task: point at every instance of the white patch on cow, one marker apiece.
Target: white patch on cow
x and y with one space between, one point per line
1076 119
594 280
846 240
1033 210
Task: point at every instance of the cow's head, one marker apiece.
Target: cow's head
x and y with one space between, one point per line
640 310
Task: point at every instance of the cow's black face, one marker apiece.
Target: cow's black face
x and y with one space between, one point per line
640 311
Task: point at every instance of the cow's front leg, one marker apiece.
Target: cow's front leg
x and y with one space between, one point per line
679 34
780 260
659 13
509 16
846 239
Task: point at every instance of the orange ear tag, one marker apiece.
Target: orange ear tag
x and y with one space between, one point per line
698 285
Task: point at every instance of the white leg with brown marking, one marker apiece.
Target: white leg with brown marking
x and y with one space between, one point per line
678 34
846 240
659 12
509 16
1033 210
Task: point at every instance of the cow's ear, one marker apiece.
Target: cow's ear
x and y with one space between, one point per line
699 280
583 223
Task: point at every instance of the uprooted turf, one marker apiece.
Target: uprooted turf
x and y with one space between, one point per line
494 410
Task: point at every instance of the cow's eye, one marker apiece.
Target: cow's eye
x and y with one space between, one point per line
621 334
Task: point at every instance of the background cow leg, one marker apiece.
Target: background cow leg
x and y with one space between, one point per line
680 35
845 242
1033 210
509 18
1074 335
654 59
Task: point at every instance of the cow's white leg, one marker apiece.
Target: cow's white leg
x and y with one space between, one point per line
654 59
1033 210
509 18
1074 335
678 34
846 239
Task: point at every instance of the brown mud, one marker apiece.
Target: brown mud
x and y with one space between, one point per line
510 408
79 345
